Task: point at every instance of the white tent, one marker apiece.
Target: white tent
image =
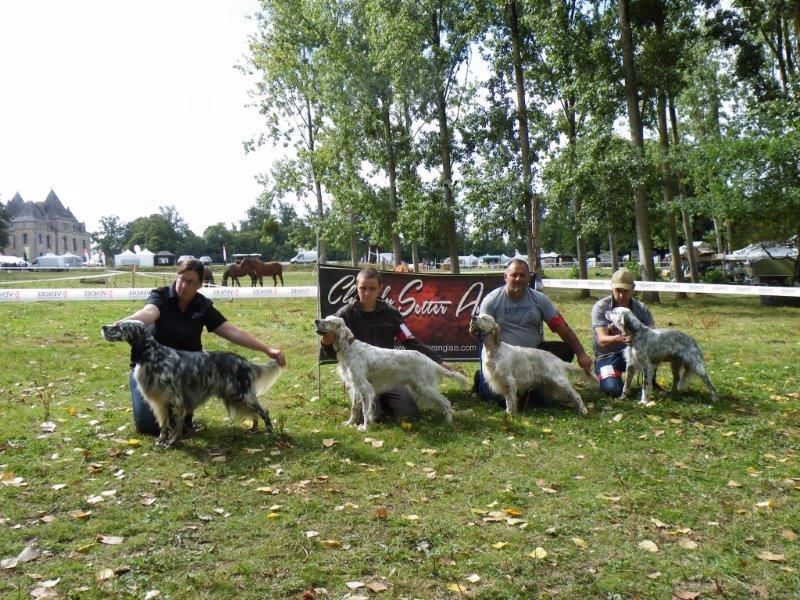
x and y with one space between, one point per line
146 258
71 261
49 261
126 259
758 251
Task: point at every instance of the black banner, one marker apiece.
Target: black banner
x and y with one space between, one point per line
437 307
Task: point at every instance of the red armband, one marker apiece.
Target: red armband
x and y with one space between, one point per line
556 322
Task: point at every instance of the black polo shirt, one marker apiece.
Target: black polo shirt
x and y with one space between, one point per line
183 330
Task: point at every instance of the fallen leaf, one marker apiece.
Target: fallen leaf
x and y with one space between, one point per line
79 515
685 595
580 543
789 534
312 533
354 585
328 442
654 575
769 556
539 553
48 427
513 512
765 504
110 540
104 574
331 543
59 486
647 545
687 544
151 594
377 587
457 587
381 512
617 417
499 545
734 484
659 524
412 517
474 578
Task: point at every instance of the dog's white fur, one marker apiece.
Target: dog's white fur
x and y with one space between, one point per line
512 370
367 371
652 346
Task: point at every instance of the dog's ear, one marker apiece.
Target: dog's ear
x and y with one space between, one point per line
496 333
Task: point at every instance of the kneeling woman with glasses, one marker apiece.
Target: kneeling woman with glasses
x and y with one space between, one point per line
177 314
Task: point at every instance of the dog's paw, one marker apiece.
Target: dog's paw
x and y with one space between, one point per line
362 428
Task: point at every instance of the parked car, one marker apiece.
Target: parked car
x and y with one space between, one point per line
184 257
206 260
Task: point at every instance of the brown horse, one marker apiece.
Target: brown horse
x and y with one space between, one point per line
234 271
208 277
259 269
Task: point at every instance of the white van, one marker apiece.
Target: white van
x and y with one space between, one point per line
304 257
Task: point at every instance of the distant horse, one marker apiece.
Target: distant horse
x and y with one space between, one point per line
234 271
208 277
259 269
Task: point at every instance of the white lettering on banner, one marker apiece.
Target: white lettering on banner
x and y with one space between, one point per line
9 294
471 304
428 307
343 291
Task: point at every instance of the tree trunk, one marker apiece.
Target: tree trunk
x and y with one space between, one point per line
391 169
321 253
667 189
686 219
645 242
415 256
444 149
612 248
534 253
718 236
575 201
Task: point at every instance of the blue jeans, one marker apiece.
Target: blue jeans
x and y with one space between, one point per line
143 417
612 366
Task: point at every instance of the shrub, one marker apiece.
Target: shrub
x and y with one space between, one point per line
713 276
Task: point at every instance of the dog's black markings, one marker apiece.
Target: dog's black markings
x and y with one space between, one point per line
175 382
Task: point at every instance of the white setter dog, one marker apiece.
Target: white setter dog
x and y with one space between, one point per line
512 370
174 382
367 371
652 346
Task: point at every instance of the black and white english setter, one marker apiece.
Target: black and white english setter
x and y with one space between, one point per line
652 346
513 370
367 371
175 383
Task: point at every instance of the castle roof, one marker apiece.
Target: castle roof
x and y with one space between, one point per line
50 208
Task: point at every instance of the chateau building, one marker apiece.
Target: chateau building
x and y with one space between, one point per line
36 228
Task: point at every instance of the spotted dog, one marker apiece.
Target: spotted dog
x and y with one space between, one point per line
367 371
512 370
174 382
652 346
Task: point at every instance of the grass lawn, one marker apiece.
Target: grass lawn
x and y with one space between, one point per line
683 498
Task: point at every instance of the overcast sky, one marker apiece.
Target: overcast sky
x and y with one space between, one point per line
122 107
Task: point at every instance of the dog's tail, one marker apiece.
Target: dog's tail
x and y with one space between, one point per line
268 374
463 381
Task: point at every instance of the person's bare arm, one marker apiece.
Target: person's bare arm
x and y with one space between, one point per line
148 315
240 337
566 333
